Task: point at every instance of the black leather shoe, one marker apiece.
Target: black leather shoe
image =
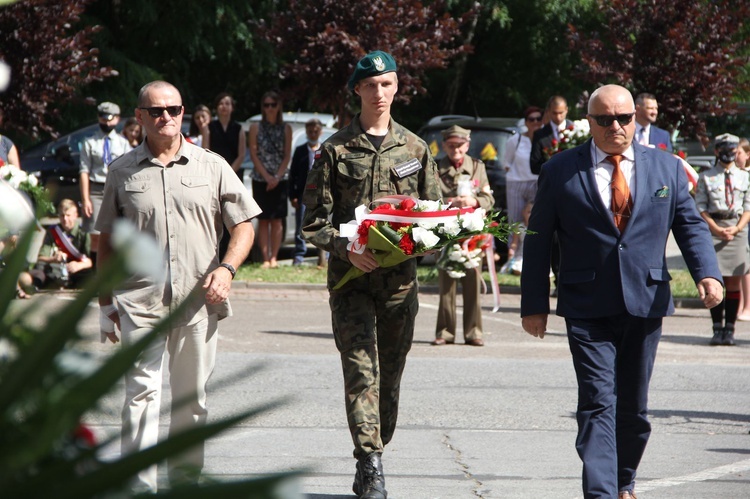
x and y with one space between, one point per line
369 482
728 338
718 338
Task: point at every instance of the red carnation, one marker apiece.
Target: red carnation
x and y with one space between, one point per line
397 225
681 154
663 147
406 244
364 231
382 207
554 142
408 204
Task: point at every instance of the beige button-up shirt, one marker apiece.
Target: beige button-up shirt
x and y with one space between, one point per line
184 205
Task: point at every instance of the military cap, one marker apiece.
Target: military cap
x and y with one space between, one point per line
373 64
726 139
456 131
109 108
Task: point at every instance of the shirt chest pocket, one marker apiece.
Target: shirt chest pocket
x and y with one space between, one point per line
138 197
353 178
195 191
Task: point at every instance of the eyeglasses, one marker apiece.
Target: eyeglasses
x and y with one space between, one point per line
156 112
270 104
606 120
534 118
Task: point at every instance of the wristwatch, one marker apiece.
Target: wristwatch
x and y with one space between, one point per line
229 268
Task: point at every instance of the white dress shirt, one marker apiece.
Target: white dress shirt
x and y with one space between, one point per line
603 172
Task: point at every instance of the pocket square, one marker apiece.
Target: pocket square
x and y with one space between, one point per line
662 193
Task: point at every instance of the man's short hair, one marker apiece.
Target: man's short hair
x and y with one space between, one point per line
313 122
644 96
66 204
556 100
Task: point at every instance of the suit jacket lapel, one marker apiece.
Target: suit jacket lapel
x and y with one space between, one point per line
588 180
641 181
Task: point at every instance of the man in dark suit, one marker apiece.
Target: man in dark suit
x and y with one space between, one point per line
557 113
646 111
302 161
612 203
542 148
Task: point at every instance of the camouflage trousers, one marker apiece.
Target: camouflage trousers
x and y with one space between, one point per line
373 325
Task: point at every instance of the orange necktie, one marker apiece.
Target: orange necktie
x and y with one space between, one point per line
622 204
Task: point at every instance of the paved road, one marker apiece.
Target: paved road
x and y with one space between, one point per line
492 422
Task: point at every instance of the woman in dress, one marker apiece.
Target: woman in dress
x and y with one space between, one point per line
723 200
271 150
198 133
225 136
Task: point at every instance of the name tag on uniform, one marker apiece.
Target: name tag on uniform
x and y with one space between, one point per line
405 169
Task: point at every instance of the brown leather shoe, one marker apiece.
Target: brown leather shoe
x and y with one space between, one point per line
476 342
626 494
441 341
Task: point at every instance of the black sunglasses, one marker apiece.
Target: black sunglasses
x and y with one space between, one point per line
534 118
156 112
270 104
606 120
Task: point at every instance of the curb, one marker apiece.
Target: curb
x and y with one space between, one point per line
427 289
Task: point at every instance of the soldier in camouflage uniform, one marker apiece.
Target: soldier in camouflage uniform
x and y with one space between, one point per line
373 315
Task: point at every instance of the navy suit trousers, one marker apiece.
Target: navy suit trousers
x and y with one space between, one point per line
613 359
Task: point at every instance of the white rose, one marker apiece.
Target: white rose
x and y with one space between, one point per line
456 274
451 228
427 205
474 221
32 180
424 236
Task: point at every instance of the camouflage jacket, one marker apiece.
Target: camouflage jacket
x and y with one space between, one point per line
349 171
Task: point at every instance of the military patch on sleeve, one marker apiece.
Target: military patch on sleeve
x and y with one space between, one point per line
407 168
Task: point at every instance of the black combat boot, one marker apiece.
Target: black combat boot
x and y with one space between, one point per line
369 482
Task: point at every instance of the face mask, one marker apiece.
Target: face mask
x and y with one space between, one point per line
312 142
106 128
727 156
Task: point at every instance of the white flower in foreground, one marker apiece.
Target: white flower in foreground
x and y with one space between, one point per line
427 205
456 274
451 228
473 221
4 76
142 254
424 236
15 210
426 224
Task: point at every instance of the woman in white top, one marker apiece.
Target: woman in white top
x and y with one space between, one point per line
521 183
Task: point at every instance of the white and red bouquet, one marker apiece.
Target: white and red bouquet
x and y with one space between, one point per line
402 227
574 135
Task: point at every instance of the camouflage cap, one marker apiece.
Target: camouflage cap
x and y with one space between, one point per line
726 139
373 64
456 131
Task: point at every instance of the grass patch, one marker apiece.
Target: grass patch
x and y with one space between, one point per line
682 284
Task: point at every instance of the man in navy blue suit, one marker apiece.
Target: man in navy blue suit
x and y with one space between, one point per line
612 203
646 132
557 112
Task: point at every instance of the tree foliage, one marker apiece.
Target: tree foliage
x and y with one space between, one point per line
690 54
320 43
50 56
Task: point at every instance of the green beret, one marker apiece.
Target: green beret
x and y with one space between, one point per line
373 64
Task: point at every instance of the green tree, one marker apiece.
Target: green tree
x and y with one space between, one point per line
690 54
50 55
319 44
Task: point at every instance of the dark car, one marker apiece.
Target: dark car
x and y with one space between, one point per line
488 139
55 162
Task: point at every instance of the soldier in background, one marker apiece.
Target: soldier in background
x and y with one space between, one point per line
464 183
373 316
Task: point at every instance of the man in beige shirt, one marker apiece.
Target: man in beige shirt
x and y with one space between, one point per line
182 195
